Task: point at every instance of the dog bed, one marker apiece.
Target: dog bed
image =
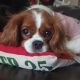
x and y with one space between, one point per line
47 61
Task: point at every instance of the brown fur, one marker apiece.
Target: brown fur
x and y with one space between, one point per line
12 31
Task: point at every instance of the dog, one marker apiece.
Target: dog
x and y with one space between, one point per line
40 29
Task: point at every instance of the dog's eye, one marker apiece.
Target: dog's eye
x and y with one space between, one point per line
47 34
26 32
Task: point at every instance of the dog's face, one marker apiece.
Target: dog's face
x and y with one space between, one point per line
36 30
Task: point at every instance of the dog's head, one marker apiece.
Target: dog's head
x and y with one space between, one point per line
37 29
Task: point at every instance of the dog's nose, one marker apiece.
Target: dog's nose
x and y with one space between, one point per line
37 45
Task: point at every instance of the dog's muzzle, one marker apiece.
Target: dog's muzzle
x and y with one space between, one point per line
37 45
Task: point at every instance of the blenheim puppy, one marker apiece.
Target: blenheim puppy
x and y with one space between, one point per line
39 29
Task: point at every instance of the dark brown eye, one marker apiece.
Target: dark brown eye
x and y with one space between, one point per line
26 32
47 34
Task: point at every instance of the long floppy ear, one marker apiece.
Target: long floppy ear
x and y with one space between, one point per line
58 39
11 32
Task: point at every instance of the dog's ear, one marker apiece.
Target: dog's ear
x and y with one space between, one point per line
58 39
11 32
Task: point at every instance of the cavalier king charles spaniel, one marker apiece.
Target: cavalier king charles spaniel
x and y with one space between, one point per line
39 29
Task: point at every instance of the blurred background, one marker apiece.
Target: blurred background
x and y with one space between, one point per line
11 7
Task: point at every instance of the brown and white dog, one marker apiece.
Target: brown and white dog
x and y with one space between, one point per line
39 29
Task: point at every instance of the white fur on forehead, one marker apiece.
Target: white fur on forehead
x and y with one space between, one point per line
38 18
42 8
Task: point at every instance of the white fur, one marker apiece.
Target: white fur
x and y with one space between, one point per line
37 18
74 45
42 8
28 44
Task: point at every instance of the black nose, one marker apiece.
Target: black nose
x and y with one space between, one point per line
37 45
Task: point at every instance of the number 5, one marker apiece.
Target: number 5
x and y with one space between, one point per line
42 64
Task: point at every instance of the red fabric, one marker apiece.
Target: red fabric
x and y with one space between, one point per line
33 2
21 51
